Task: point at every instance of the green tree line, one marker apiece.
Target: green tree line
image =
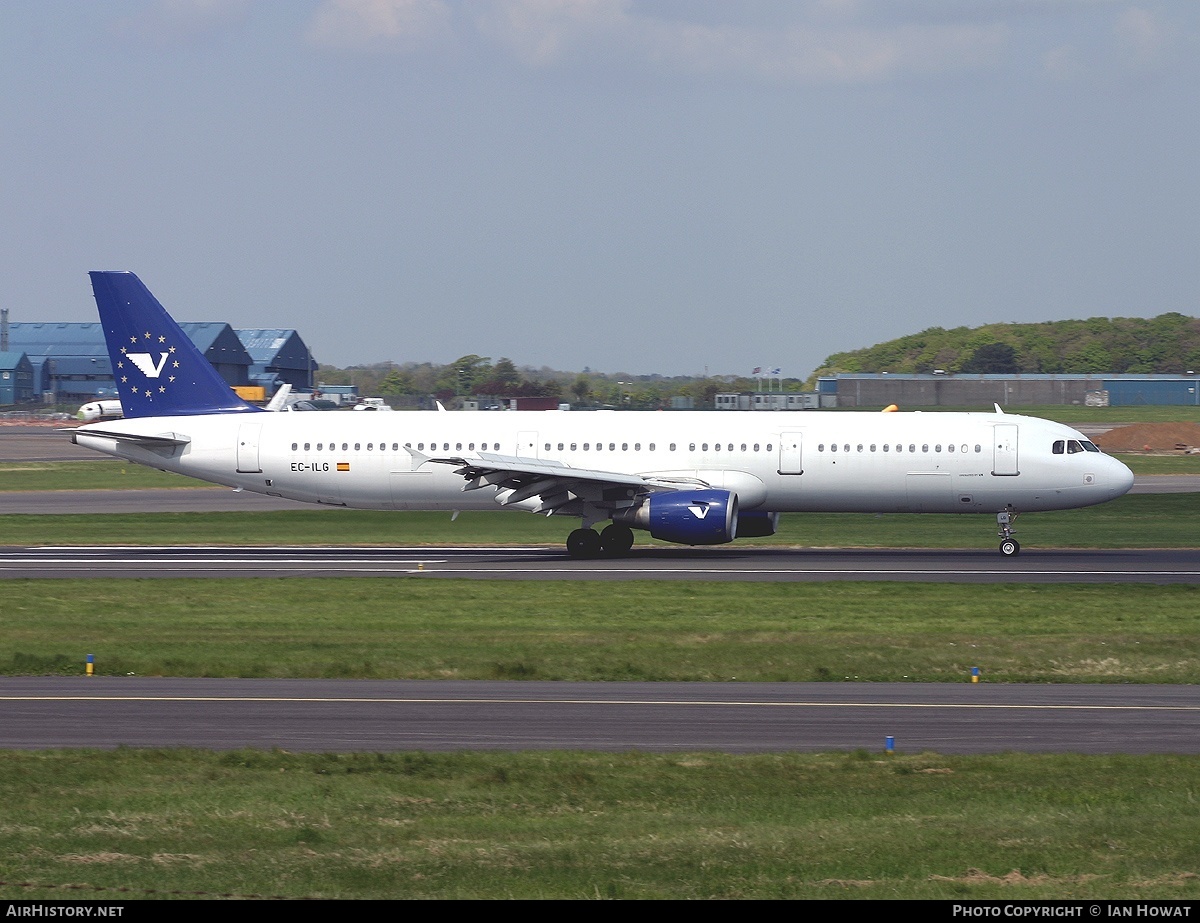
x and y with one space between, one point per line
1167 344
475 376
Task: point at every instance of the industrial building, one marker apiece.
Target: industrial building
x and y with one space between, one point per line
16 378
278 357
940 389
767 400
69 362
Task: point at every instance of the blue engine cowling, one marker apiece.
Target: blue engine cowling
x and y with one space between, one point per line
687 517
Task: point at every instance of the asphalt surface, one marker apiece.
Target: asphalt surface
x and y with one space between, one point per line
773 565
376 716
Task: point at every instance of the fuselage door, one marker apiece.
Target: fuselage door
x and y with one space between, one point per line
791 453
527 444
1004 450
247 448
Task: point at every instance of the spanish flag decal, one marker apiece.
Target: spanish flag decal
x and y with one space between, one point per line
343 466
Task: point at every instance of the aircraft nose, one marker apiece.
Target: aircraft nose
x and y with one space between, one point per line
1120 477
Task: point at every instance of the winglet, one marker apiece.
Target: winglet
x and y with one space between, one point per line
159 370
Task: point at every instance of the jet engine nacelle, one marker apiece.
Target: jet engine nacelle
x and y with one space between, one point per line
757 524
686 517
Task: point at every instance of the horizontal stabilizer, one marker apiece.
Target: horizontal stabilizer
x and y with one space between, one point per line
159 441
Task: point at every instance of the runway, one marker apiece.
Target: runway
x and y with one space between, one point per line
774 565
375 716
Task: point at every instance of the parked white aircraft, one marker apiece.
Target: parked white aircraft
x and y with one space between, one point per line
99 410
700 478
112 410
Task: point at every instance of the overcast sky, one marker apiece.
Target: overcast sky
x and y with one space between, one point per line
672 186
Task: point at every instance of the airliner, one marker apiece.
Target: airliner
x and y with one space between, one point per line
690 478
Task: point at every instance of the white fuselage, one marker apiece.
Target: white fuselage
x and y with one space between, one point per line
778 462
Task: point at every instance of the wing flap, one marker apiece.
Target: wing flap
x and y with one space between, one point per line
547 485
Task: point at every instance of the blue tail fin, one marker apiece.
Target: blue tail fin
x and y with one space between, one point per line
159 371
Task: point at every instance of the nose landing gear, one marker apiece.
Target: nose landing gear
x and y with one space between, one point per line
1009 546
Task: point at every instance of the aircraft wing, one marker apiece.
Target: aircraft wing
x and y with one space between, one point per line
548 486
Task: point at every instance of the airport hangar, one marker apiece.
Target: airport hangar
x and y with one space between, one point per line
70 364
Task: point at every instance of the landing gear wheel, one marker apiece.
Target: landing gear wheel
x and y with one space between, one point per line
616 539
1009 546
583 543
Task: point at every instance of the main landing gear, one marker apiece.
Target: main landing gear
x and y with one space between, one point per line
1009 546
587 543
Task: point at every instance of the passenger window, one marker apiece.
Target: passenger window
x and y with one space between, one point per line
306 446
295 446
925 447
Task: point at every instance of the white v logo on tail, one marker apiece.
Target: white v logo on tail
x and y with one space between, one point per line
146 365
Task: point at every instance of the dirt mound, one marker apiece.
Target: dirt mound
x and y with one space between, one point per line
1150 437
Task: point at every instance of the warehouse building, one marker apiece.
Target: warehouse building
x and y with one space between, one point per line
940 389
278 357
16 378
69 362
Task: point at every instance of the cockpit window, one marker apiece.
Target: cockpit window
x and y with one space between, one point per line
1090 446
1073 447
1058 447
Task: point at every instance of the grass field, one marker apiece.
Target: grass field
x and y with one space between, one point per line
418 628
169 824
1134 521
